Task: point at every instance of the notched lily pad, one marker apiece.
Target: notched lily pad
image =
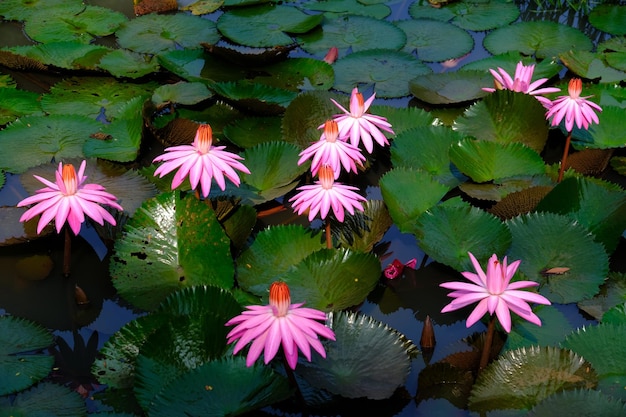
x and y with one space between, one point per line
435 41
450 87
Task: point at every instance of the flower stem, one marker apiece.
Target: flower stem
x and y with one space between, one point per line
329 238
564 157
293 382
67 253
484 358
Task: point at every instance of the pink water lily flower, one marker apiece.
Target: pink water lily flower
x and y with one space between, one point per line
521 82
279 323
494 292
202 162
326 194
573 108
69 199
332 150
360 125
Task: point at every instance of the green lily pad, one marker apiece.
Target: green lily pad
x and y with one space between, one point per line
297 74
616 59
186 63
483 160
7 82
616 315
435 41
402 119
247 132
469 14
450 87
201 7
602 345
273 253
354 33
506 116
24 9
16 103
36 140
348 7
553 330
265 25
255 97
94 97
540 38
368 359
579 403
305 114
22 358
124 63
181 93
388 72
427 148
604 135
598 205
161 253
523 377
508 61
591 65
404 207
219 388
544 241
153 33
44 400
332 279
67 55
365 229
83 26
274 169
609 18
515 192
447 232
612 293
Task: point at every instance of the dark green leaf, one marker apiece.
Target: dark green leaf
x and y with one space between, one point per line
435 41
450 87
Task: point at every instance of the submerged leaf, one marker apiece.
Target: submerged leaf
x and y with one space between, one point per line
45 399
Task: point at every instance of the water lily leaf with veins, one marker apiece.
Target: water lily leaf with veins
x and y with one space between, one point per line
365 229
542 39
22 358
23 9
305 114
553 330
435 41
66 55
579 403
125 63
591 65
368 359
180 93
405 208
506 116
45 399
605 135
508 61
154 33
388 72
265 25
36 140
349 7
609 18
484 161
262 99
477 16
247 132
169 244
523 377
602 345
546 240
612 293
354 33
16 103
450 87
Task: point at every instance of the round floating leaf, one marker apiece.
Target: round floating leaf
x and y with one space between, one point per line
16 103
297 74
247 132
469 14
605 135
388 72
450 87
181 93
24 9
612 293
273 168
170 243
553 330
365 229
265 25
153 33
124 63
446 233
402 119
219 388
484 161
540 38
523 377
609 18
602 345
36 140
272 254
304 116
333 279
508 61
67 55
44 400
591 65
90 22
258 98
354 33
506 116
350 7
545 241
427 148
435 41
579 403
404 207
22 361
368 359
515 195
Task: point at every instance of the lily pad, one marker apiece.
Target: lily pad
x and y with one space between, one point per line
450 87
469 14
602 345
591 65
365 229
388 72
259 98
604 135
24 9
508 61
540 38
124 63
154 33
506 116
180 93
43 400
22 358
368 359
66 55
553 330
609 18
546 240
265 25
523 377
332 9
353 33
435 41
305 114
16 103
161 253
612 293
247 132
484 161
579 402
36 140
